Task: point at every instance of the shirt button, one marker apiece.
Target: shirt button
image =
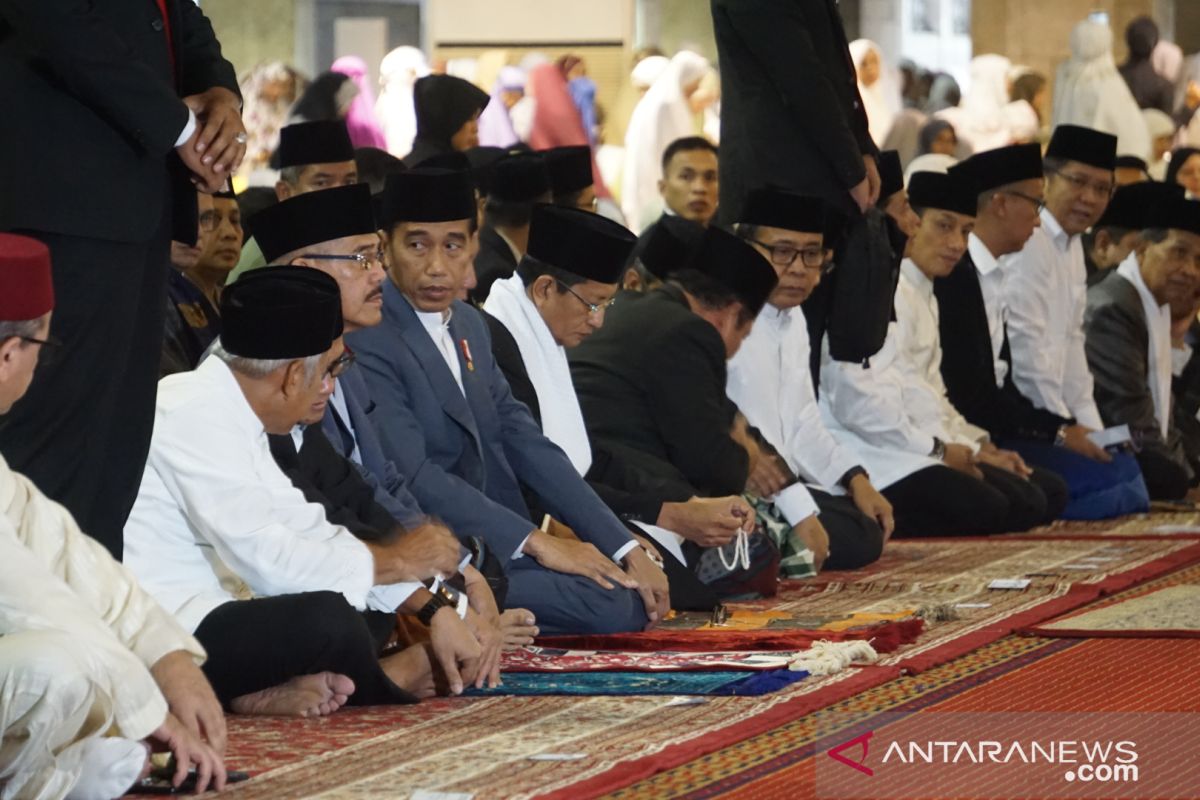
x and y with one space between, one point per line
157 25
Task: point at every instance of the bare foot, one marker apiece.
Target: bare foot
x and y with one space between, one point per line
519 627
303 696
412 670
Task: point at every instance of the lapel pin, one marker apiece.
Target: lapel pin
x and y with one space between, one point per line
466 349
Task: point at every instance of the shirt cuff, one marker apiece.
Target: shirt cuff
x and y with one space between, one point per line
188 129
626 550
390 597
520 551
796 504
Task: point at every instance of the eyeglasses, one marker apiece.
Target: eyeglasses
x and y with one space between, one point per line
49 348
340 364
591 307
1037 201
1079 183
365 260
784 255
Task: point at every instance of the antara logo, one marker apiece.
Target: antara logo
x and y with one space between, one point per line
836 753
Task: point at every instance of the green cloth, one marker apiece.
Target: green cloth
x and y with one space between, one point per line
252 258
795 559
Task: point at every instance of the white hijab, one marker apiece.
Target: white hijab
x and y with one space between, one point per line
660 117
1090 92
980 120
881 100
547 367
398 71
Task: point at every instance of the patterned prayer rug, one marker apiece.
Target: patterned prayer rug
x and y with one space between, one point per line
1183 522
589 684
548 659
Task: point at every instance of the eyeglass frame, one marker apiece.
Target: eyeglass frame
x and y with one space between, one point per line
1040 203
339 365
771 248
592 308
365 261
44 356
1080 183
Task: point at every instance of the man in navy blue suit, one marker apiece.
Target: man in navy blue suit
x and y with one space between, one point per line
447 419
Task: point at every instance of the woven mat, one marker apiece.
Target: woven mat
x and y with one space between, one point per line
1170 612
1157 523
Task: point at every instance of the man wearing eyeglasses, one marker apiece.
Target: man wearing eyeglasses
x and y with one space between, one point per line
1044 295
771 383
294 610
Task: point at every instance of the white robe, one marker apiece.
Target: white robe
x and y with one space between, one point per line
77 638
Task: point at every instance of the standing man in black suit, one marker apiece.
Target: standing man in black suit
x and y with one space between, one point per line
125 107
791 114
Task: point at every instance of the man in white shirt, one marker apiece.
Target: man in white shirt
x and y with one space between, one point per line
1128 326
875 407
1044 295
293 610
771 382
90 664
447 418
935 251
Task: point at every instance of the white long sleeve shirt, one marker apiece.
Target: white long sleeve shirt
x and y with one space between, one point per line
53 577
991 273
864 407
217 520
919 361
1158 355
1045 293
770 381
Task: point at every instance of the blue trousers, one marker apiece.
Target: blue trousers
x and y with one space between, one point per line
572 604
1097 491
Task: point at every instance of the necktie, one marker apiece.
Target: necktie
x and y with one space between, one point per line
162 8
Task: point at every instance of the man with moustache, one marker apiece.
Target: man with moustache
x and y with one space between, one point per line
1044 295
446 417
190 322
1128 327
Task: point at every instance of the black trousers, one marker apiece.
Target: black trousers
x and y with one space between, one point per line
855 540
940 501
82 432
1165 478
256 644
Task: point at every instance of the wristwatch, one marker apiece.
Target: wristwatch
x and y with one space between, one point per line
939 449
1060 436
850 475
435 604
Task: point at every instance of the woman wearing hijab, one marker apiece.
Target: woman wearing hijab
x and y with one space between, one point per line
556 121
361 122
448 110
1184 169
937 136
495 124
1149 89
268 92
328 97
1090 92
880 93
980 120
398 71
663 115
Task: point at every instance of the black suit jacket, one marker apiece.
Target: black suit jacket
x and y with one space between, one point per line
652 386
968 367
791 114
1117 344
94 112
494 262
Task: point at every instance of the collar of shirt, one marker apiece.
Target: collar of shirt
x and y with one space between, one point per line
434 321
1131 271
517 254
981 256
919 280
1055 231
776 317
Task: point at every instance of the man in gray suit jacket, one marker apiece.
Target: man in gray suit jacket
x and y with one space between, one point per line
1128 328
446 417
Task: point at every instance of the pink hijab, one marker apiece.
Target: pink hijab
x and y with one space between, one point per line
361 121
556 120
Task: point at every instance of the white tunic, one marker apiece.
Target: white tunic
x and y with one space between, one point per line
770 381
1045 294
61 588
991 272
919 361
864 407
217 520
1158 356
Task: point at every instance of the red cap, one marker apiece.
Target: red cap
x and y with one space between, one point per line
26 289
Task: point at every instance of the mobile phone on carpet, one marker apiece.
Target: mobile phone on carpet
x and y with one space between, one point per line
159 781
